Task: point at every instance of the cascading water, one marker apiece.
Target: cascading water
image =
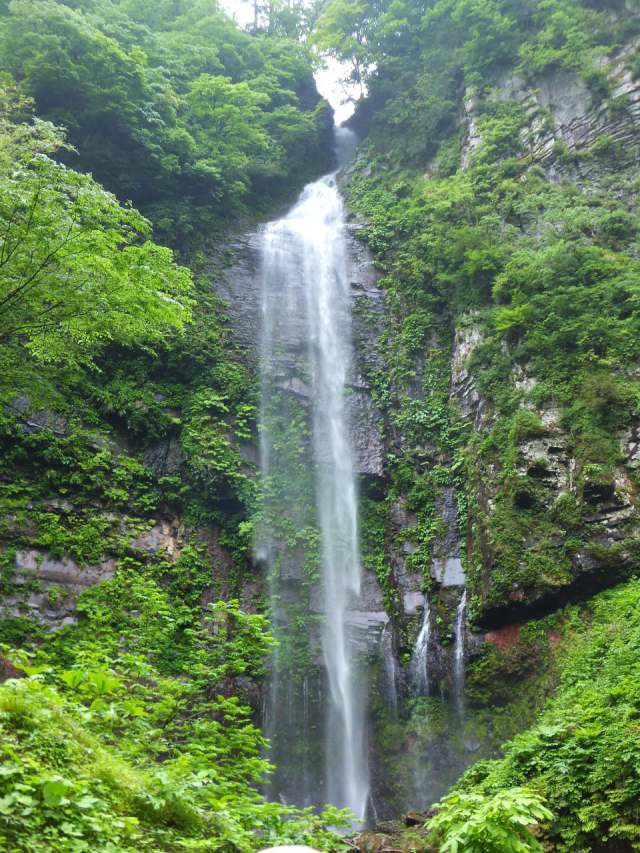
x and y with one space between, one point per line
305 365
458 653
390 668
419 666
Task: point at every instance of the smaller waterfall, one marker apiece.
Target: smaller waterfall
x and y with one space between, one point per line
389 667
419 667
458 653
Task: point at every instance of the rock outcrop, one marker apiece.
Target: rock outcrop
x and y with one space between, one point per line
566 118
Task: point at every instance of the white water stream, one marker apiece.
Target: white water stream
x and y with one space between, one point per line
307 349
419 666
458 653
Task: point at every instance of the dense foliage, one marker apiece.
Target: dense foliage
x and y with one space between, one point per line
170 105
136 737
125 406
78 271
509 242
419 58
541 275
124 410
583 755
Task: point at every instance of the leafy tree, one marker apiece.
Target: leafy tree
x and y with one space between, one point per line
76 268
147 93
229 139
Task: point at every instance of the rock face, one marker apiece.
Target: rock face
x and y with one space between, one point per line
570 132
165 459
446 565
547 481
240 288
565 117
463 386
45 588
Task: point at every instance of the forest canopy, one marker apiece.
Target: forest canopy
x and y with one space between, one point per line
170 106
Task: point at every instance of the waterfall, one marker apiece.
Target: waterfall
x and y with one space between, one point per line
419 666
308 482
389 668
458 653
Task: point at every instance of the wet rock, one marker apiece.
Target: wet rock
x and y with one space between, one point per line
446 564
165 459
164 537
222 565
448 571
45 588
408 583
366 439
239 286
412 602
463 387
630 445
374 842
547 459
416 818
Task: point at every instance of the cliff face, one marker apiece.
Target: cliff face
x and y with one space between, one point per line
587 142
240 288
579 138
510 461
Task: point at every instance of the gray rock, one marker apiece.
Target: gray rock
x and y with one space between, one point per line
463 387
448 571
412 602
165 459
561 109
46 588
165 537
42 419
446 565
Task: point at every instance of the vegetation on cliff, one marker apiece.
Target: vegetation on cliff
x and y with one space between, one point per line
123 408
504 238
583 753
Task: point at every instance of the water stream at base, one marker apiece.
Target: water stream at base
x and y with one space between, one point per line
306 355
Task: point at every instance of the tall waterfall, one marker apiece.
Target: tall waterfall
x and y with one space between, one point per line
309 484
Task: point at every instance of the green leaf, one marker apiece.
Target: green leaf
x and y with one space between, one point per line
53 792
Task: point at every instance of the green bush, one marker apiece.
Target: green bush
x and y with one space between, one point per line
476 823
583 754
